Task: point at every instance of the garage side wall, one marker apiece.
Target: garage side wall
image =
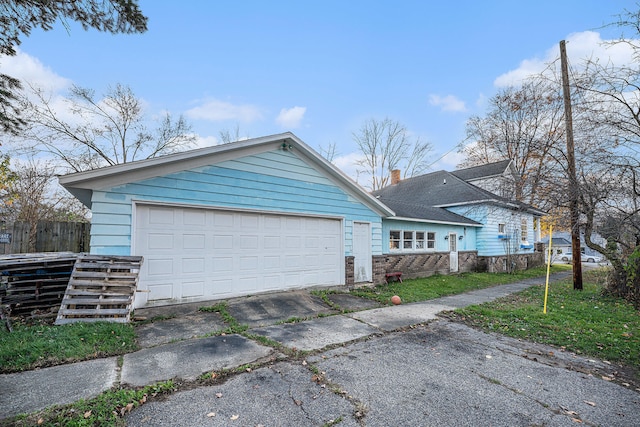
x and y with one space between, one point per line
273 181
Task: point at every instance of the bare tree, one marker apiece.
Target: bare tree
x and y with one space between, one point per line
524 124
385 146
37 197
329 153
227 135
610 189
19 17
7 177
94 132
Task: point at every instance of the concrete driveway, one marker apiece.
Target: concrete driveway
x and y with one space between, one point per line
438 374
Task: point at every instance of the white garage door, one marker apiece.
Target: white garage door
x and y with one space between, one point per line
197 254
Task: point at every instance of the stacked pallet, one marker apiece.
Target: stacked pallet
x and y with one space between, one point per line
101 288
32 283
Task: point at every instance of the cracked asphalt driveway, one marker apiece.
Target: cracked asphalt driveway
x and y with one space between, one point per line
439 374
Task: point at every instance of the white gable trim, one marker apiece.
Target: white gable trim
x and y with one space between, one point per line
82 184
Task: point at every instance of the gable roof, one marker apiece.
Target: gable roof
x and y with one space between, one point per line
490 170
557 241
440 190
82 184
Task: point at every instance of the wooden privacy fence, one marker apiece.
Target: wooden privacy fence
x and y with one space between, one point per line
46 236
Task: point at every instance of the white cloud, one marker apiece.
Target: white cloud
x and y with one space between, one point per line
291 117
450 161
447 103
587 44
206 141
217 111
348 164
32 72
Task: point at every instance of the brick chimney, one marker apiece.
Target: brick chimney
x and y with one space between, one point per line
395 176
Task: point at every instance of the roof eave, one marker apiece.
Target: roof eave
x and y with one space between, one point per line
431 221
82 184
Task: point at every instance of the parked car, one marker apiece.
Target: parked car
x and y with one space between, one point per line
568 256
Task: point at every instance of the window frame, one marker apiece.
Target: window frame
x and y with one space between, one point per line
524 230
407 240
419 241
397 240
431 242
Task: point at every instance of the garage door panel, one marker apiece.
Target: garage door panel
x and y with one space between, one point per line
193 218
222 264
271 262
158 215
222 220
192 289
193 266
193 241
160 241
193 254
248 242
158 266
222 242
160 291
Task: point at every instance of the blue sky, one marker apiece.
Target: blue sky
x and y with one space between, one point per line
320 68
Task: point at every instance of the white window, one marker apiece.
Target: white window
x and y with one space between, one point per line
407 240
431 240
502 228
394 240
523 230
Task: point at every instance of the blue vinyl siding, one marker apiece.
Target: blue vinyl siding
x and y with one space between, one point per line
468 242
274 181
488 242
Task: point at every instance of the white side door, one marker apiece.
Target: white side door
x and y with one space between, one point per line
453 252
362 252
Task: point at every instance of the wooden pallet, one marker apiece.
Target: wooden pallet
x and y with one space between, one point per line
101 288
32 283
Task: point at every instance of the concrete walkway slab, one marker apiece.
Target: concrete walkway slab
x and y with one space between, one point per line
189 359
399 316
179 328
317 333
268 309
29 391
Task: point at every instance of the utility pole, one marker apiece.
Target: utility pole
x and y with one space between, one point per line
573 180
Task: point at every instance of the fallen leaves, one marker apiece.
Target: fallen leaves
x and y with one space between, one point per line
589 403
126 409
234 417
211 414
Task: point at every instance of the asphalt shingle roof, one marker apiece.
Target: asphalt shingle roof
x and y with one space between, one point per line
425 196
482 171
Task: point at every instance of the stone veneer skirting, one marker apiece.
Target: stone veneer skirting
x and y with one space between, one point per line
427 264
500 263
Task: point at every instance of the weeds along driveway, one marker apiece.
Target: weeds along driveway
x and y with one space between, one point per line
441 373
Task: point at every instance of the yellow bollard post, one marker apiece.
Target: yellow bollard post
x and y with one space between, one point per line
546 287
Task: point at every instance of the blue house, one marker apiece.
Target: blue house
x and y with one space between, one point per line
476 227
270 214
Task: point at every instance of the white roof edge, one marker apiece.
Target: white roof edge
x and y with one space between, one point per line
169 158
81 179
335 171
532 210
399 218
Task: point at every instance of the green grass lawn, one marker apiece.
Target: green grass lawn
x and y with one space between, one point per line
414 290
584 322
39 345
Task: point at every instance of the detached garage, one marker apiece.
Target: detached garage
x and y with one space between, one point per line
259 215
